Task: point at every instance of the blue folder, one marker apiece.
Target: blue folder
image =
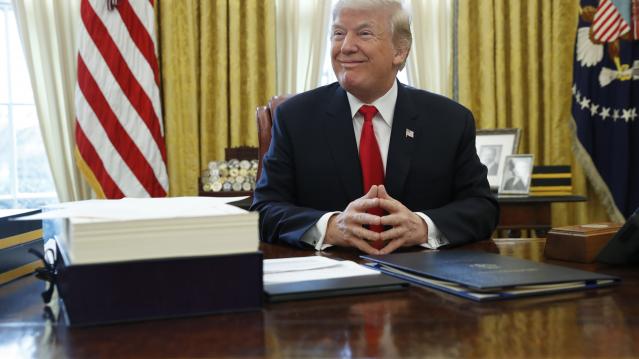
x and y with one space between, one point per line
482 276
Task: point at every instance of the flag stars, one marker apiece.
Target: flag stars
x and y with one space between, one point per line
627 115
586 104
615 115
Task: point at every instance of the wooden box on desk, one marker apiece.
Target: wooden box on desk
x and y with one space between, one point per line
579 243
101 293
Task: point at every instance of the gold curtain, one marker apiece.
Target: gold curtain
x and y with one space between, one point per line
217 60
515 70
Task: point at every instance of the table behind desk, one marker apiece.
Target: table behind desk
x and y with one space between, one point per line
417 322
528 213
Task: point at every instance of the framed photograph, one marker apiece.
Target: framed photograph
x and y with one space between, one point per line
517 174
492 148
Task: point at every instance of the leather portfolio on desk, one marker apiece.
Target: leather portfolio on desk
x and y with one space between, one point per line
484 276
159 288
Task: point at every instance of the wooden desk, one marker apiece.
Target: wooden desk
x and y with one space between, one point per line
418 322
528 213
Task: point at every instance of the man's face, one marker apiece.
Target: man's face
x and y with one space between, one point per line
364 58
487 155
521 169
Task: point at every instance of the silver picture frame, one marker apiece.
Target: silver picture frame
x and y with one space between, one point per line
493 146
517 174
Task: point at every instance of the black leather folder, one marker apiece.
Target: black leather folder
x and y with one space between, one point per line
332 287
485 276
160 288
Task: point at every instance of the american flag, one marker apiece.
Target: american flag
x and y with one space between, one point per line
119 135
635 19
609 24
606 115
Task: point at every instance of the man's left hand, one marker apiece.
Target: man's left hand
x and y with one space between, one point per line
409 229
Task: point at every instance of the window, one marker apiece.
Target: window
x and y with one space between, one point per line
25 176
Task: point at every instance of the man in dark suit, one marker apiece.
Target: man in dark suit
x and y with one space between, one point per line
369 162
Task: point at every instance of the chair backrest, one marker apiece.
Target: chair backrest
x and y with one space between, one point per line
264 116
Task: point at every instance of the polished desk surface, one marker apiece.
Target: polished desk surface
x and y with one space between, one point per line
418 322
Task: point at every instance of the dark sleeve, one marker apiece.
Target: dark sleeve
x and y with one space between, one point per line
275 194
474 212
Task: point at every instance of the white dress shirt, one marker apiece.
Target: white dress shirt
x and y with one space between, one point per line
382 125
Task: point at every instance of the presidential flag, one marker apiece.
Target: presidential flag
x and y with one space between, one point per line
119 136
605 95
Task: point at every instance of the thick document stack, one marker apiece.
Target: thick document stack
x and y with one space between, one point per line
551 181
146 228
16 238
138 259
482 276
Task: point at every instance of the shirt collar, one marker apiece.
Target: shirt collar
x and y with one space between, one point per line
385 104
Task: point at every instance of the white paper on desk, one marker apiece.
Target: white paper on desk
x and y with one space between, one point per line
287 270
141 208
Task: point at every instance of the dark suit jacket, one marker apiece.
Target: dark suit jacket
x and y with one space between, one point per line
312 165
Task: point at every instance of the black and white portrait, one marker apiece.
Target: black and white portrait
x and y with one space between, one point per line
517 172
489 156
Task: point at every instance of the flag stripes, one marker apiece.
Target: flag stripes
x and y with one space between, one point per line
112 135
106 186
635 19
119 133
140 36
608 25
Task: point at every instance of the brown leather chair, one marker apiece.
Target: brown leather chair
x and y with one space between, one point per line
264 116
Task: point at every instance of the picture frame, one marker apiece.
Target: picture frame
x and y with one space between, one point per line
493 145
517 174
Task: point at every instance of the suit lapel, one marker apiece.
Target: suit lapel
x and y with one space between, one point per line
342 144
403 136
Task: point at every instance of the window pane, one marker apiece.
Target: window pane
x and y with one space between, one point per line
35 202
5 152
6 203
20 83
34 174
4 81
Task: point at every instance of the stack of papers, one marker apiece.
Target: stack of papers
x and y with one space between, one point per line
300 269
318 277
99 231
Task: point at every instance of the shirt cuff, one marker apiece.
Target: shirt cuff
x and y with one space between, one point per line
436 238
315 235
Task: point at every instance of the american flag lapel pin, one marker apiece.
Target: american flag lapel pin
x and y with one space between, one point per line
410 133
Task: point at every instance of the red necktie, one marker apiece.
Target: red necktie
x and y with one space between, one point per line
371 162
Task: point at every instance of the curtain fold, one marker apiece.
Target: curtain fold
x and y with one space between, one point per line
48 31
302 40
217 62
428 64
514 65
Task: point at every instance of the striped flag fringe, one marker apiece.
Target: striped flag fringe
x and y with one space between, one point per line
120 145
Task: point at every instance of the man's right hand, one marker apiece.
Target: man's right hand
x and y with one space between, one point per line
345 229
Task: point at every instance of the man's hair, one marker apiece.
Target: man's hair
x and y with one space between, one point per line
399 19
